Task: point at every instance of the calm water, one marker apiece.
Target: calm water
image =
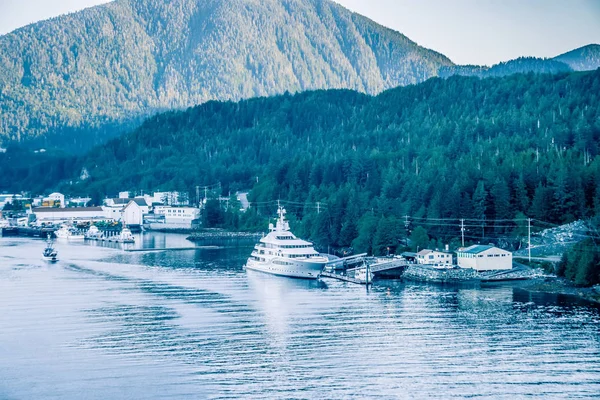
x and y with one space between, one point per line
104 324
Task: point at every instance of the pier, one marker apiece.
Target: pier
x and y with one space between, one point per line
173 249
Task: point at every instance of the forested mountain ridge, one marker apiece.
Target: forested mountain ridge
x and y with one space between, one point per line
463 147
84 77
585 58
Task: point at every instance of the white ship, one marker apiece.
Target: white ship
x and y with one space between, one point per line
282 253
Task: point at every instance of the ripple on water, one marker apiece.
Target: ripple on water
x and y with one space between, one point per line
195 324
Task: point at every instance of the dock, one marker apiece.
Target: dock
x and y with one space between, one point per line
346 262
343 278
173 249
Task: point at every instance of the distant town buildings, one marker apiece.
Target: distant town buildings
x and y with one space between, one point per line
54 200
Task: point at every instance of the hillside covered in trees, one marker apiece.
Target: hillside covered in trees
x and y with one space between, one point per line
88 76
83 78
496 149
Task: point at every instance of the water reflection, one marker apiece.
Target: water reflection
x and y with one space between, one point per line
103 323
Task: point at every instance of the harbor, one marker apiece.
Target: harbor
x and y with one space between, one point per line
189 324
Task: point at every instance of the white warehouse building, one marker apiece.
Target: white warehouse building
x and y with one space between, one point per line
484 258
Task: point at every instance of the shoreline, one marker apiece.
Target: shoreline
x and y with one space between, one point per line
556 285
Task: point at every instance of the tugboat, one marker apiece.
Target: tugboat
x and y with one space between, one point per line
50 254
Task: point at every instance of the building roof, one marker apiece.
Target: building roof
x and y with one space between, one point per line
139 202
424 252
63 210
121 201
476 249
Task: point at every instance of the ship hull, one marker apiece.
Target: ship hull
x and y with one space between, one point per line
294 269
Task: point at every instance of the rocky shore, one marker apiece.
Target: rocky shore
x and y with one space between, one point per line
424 273
557 285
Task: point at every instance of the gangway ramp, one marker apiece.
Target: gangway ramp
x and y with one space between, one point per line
346 262
388 265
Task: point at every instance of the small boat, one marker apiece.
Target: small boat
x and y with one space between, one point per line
282 253
68 233
361 275
125 236
50 254
94 233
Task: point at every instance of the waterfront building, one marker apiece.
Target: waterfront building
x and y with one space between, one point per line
134 211
176 217
56 215
484 258
427 256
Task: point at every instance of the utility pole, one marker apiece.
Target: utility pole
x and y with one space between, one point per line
318 207
529 236
406 228
198 195
482 229
462 231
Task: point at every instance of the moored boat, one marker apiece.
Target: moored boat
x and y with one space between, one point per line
282 253
68 233
94 233
125 236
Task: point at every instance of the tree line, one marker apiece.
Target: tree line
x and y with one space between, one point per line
495 149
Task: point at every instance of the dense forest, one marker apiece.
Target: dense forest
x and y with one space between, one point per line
352 166
80 79
85 77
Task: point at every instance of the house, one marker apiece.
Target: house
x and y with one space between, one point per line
56 215
484 258
433 257
53 200
134 211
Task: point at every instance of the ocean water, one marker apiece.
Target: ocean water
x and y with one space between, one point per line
107 324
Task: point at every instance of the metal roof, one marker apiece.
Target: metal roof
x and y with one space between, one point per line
63 210
476 249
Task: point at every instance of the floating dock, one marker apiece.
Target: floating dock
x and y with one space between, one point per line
173 249
344 278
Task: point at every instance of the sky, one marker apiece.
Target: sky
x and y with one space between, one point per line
481 32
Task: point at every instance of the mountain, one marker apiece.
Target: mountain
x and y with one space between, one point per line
585 58
521 65
81 78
